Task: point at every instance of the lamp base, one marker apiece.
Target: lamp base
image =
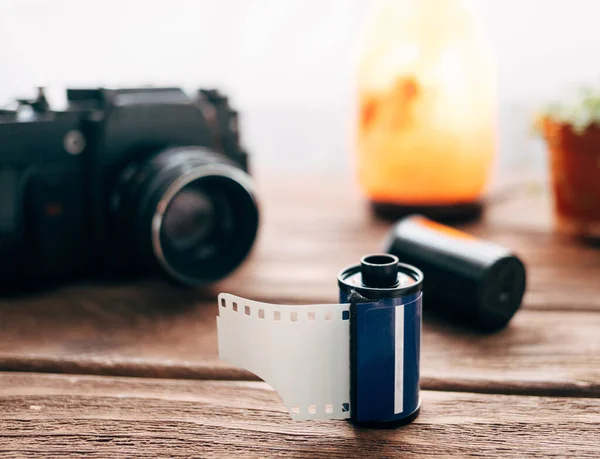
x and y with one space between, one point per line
452 213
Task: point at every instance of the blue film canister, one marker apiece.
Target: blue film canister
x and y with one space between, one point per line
385 338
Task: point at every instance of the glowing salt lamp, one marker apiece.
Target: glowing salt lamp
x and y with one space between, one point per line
426 125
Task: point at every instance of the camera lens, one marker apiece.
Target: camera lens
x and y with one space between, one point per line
190 210
207 225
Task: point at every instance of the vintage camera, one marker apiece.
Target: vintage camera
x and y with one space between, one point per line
123 181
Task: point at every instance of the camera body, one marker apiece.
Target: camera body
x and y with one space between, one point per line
76 184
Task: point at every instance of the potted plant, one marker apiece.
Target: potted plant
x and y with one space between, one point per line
572 133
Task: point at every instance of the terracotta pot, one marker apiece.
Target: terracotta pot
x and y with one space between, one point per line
575 170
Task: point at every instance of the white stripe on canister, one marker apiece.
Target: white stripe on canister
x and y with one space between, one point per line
399 367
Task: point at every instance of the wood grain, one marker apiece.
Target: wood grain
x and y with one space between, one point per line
63 416
540 353
151 328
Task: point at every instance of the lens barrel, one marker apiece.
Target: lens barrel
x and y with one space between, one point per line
190 210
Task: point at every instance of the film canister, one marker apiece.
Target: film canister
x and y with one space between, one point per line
385 338
357 360
477 282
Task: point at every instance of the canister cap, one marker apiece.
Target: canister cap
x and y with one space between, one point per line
380 275
379 270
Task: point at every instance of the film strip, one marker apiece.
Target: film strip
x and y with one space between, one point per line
303 352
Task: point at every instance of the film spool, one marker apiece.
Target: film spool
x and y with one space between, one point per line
358 359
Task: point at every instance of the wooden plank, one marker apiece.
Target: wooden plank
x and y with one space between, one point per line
62 416
101 330
311 230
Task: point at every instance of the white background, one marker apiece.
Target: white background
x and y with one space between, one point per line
287 64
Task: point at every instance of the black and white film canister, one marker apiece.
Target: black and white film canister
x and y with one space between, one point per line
358 359
477 282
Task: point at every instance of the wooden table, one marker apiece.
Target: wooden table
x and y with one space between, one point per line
131 370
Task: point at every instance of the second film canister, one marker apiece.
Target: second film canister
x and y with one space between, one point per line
477 282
